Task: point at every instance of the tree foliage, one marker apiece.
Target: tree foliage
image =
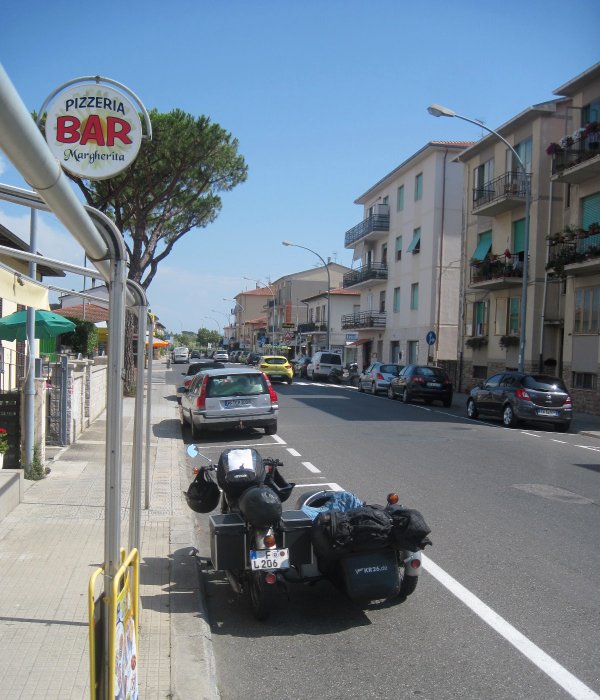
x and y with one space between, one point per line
206 337
83 338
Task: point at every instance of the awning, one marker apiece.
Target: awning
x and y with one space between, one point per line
158 343
414 245
21 290
356 343
483 248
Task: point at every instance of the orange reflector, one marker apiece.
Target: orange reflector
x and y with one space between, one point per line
270 579
393 498
196 470
269 540
415 563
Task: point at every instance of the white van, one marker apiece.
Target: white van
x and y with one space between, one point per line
322 364
181 355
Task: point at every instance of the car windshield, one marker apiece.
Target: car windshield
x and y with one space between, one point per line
275 360
541 382
431 372
390 369
330 359
236 385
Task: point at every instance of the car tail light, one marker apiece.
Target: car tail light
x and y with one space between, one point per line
447 381
522 394
272 392
379 376
568 403
418 380
187 383
201 400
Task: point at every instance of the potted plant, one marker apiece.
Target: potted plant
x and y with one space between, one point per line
476 342
553 149
509 341
3 444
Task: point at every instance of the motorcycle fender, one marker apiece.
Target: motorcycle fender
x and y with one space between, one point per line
408 569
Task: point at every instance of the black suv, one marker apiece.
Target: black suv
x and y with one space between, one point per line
516 396
422 382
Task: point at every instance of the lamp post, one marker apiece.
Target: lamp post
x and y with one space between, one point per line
439 111
326 265
267 286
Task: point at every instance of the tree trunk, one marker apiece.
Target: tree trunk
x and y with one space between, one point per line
129 362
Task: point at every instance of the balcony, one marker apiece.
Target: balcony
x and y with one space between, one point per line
576 158
312 328
364 319
377 224
498 272
575 253
366 273
501 194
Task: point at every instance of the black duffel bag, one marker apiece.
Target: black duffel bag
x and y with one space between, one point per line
409 529
357 530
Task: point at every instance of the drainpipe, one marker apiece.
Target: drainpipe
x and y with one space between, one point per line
545 296
441 259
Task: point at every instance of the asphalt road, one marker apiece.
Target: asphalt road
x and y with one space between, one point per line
509 603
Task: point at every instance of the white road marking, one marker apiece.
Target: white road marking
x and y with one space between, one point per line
311 467
537 656
332 486
524 432
588 447
281 441
293 452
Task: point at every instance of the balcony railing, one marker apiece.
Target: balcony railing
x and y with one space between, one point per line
364 319
573 247
498 268
376 222
312 327
372 271
578 161
502 193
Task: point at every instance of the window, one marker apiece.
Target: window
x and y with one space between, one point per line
415 245
584 380
398 247
384 254
382 302
590 113
512 318
412 349
518 236
480 318
590 210
400 198
587 306
385 200
483 175
414 296
419 187
484 245
395 353
523 150
396 299
479 371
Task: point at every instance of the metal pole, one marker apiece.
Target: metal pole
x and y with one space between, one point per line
30 375
438 111
148 413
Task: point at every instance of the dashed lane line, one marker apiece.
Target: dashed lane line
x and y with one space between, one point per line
311 467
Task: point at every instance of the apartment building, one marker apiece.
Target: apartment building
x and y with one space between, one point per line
574 241
408 249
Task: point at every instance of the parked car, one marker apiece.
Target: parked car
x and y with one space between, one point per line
193 370
253 358
195 354
322 364
422 382
229 398
276 367
235 356
300 366
518 396
377 377
221 355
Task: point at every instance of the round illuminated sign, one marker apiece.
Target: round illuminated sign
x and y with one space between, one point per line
94 131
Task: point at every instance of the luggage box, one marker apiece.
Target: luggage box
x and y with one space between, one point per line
371 576
227 541
296 528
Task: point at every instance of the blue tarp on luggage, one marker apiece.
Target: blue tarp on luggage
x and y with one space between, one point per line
337 500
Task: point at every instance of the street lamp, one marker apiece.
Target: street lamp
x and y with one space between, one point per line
267 286
314 252
439 111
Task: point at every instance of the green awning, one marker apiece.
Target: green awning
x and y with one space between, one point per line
414 246
483 248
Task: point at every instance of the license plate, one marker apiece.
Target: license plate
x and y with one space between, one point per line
547 412
435 385
236 403
269 559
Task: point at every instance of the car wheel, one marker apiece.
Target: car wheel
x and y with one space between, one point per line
390 393
289 380
508 417
472 411
373 388
359 386
405 396
271 429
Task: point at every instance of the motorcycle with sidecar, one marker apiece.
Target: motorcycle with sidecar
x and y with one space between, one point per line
370 552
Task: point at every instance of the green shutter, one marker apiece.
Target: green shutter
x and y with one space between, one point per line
590 210
483 247
414 245
518 236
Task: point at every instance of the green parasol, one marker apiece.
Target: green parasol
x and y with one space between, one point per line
47 325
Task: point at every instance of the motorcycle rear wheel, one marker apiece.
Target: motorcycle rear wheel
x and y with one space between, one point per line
408 586
261 595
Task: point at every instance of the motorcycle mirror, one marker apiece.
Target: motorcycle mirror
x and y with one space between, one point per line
192 451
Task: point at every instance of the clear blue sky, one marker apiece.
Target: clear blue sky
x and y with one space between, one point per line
325 97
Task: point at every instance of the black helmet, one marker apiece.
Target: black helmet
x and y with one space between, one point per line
202 495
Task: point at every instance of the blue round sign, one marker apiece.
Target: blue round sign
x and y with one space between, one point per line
431 338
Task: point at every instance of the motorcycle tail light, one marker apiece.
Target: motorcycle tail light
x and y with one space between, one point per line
270 579
392 498
415 563
269 540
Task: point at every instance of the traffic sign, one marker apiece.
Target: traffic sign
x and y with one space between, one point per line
431 338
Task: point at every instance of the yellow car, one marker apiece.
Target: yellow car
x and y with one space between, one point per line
277 367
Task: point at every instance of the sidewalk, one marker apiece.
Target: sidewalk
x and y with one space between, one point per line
52 543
